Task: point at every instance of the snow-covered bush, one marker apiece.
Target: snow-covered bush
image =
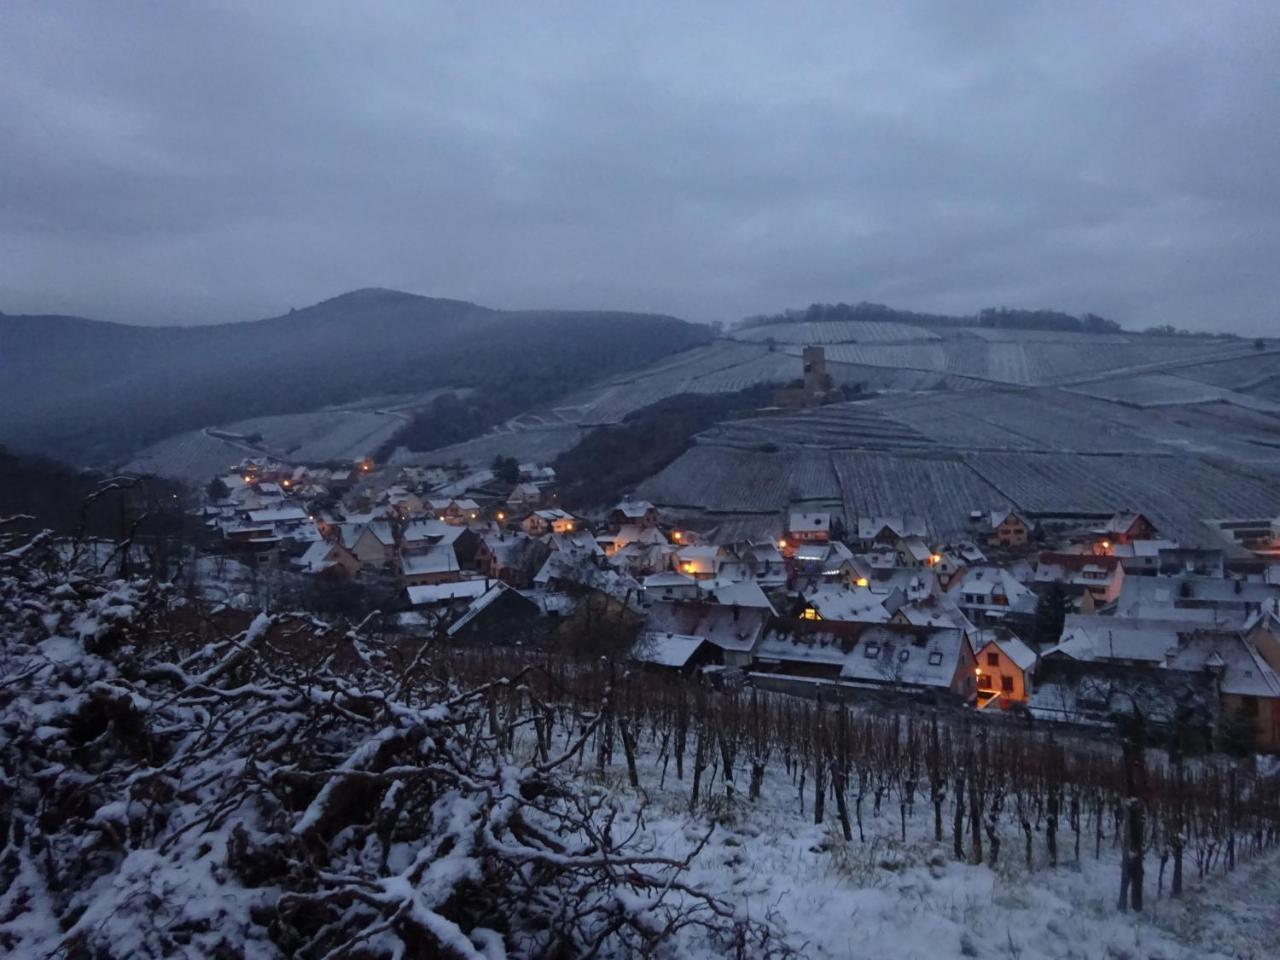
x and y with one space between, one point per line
176 781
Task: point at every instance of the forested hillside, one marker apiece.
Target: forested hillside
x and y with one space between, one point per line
93 392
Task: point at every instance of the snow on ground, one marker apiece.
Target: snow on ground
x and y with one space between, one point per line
893 901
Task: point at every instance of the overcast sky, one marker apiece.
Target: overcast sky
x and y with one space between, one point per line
186 163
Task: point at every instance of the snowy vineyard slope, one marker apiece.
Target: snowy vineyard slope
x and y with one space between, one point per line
288 790
183 784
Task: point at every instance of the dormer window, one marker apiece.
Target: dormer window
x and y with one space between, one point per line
935 659
872 651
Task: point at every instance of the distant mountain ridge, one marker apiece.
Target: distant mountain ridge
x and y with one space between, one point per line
93 391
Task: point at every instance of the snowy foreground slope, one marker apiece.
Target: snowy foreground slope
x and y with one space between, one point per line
913 901
182 781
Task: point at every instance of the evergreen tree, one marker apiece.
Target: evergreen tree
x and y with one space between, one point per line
1051 614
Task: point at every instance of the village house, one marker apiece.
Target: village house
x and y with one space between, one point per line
375 545
322 557
1125 527
1092 581
1141 558
670 585
892 656
501 615
701 563
439 564
914 552
524 497
766 563
849 604
513 558
674 653
887 531
552 520
733 630
808 528
990 593
454 594
1208 599
1007 528
1005 668
640 513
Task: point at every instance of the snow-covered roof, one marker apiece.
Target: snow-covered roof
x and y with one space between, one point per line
1243 671
743 593
278 515
733 628
635 509
668 578
444 592
478 605
1087 637
887 655
666 649
871 527
852 604
1023 657
439 559
316 558
809 523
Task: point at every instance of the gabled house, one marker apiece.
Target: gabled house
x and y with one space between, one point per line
639 513
733 630
1005 667
848 604
914 552
888 530
552 520
1141 557
701 563
674 653
501 615
513 559
766 563
322 557
1125 527
524 496
439 564
808 528
375 545
670 585
1094 581
892 656
1007 528
988 593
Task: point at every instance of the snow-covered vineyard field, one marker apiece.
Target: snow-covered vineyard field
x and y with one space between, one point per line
848 331
344 433
941 456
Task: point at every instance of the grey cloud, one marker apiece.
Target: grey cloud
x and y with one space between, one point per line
190 163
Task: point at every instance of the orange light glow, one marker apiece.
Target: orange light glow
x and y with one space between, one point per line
1106 544
502 516
861 582
676 534
782 544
